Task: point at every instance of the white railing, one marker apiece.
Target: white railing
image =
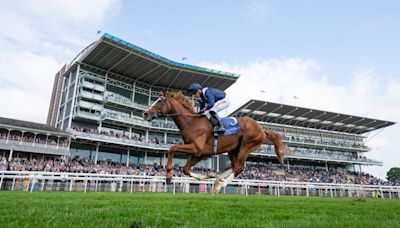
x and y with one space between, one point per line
49 181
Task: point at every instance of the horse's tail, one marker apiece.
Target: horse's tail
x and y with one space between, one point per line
281 149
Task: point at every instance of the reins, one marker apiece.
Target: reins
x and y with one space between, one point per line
180 114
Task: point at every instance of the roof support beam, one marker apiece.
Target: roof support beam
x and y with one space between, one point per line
116 64
309 111
337 128
169 69
317 116
176 77
265 103
273 111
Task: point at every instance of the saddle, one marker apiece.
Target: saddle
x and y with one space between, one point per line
231 126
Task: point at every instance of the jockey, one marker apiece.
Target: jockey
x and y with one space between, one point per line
211 101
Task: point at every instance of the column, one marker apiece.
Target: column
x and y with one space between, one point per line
164 160
66 99
22 135
149 96
133 92
97 153
145 158
127 156
58 141
288 165
47 139
73 101
8 136
100 125
34 140
11 153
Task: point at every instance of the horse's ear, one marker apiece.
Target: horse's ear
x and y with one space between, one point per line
162 94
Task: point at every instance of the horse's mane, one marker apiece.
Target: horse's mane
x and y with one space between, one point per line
183 100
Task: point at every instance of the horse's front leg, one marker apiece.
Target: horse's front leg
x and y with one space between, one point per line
185 148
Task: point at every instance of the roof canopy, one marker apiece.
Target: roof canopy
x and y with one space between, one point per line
115 56
14 124
309 118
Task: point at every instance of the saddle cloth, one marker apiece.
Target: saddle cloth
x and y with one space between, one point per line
231 126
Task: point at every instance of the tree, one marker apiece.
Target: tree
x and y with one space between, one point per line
393 174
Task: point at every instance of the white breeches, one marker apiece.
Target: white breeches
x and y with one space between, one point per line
220 105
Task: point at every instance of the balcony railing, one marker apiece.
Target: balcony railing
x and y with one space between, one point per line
34 147
88 115
92 96
268 150
117 99
93 86
327 144
125 141
169 125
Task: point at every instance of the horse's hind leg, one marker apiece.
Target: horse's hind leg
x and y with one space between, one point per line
192 160
223 179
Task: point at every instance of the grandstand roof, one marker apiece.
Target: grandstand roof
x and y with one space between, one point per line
14 124
116 56
270 112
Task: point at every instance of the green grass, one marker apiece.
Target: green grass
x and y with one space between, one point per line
76 209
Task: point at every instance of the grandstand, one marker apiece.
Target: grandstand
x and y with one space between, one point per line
320 140
94 124
31 140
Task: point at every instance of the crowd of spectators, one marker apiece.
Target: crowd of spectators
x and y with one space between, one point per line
252 171
273 173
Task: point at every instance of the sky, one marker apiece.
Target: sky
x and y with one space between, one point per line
339 56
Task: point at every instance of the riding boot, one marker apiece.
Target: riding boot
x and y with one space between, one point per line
218 127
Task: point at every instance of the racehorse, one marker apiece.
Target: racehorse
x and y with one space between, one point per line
198 138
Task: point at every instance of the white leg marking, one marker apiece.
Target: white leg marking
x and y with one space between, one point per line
198 176
228 179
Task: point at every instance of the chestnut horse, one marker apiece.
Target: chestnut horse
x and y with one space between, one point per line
197 135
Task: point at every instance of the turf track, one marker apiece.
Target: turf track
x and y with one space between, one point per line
76 209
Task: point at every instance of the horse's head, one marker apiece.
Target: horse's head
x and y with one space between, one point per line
159 108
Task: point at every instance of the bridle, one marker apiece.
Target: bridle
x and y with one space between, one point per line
160 106
165 101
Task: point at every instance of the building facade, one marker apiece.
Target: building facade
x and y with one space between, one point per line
100 96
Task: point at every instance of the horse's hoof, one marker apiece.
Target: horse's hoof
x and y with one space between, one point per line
217 188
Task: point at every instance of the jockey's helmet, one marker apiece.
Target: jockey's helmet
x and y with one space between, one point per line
194 86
